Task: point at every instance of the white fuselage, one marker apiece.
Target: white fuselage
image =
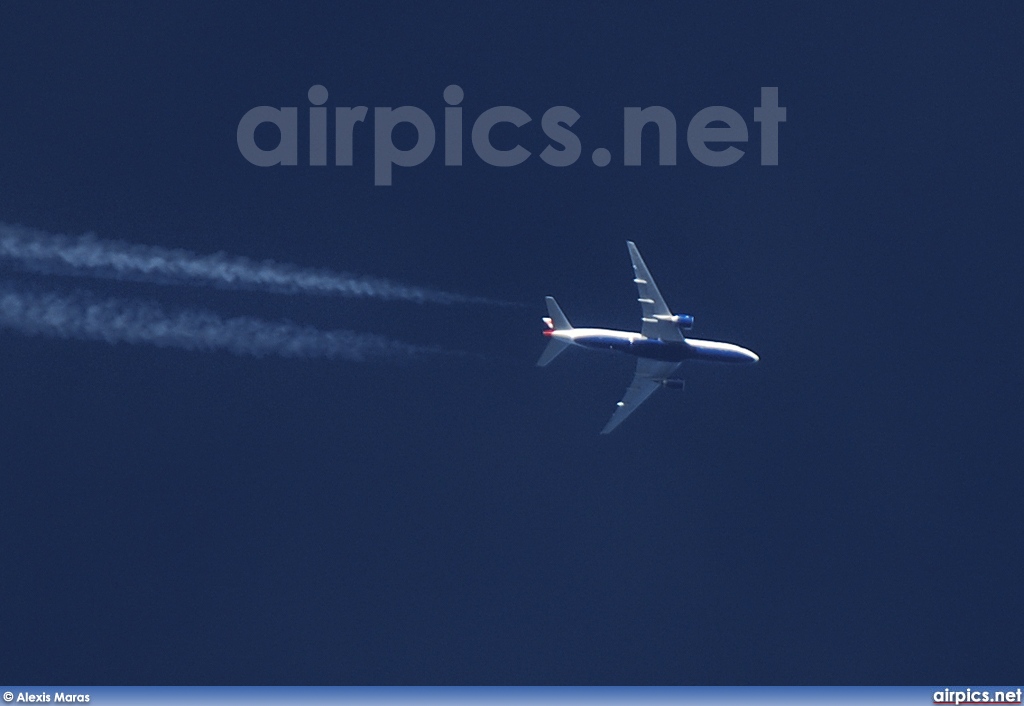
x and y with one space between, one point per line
637 344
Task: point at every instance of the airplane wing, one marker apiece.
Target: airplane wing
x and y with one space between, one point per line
651 302
648 378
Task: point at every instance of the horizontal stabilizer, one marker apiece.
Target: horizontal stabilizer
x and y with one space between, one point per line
555 347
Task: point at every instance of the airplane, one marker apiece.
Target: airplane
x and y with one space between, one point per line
660 347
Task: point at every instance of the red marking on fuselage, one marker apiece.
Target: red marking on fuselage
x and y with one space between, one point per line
547 332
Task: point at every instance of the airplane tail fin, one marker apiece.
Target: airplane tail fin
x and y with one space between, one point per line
558 320
555 321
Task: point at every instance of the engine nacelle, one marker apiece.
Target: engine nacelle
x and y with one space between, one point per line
683 321
674 384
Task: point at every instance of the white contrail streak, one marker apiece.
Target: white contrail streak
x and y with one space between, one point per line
85 255
87 318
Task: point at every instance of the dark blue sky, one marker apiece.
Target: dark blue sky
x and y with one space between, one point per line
847 511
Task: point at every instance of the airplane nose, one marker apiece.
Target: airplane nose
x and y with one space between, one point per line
751 355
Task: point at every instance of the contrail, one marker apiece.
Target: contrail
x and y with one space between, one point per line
85 255
87 318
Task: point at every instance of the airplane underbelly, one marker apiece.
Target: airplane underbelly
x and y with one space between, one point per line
603 342
670 351
721 353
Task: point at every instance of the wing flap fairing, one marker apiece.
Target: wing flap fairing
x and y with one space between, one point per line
649 376
657 316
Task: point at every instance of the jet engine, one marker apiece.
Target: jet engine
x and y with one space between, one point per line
683 321
673 383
